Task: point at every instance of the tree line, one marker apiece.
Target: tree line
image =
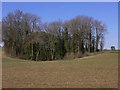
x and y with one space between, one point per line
26 37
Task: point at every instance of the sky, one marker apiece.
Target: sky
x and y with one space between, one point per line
107 12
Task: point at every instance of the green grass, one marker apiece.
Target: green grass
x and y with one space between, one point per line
98 71
116 51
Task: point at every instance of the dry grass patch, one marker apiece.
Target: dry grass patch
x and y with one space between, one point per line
99 71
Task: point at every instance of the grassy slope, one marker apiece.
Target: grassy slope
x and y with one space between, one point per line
99 71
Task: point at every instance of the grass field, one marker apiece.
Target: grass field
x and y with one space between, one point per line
99 71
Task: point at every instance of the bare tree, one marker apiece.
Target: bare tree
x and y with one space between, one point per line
26 37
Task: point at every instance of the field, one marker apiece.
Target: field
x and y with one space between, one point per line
98 71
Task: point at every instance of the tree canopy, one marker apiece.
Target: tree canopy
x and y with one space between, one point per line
25 36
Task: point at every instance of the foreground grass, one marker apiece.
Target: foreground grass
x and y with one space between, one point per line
99 71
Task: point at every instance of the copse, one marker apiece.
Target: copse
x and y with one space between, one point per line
26 37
